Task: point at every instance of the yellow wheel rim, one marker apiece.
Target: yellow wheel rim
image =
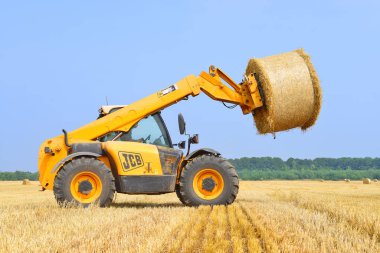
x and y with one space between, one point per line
86 187
208 184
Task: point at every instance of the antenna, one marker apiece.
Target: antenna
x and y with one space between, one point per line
106 100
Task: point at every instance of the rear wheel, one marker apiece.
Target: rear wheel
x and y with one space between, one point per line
84 181
178 192
208 180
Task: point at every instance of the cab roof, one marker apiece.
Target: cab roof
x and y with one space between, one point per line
106 109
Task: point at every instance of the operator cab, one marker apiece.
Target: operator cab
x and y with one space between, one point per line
149 130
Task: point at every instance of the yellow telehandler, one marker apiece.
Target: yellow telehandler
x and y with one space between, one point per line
128 150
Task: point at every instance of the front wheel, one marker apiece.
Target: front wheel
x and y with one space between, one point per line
84 181
208 180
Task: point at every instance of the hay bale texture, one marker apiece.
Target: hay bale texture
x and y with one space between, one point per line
366 181
292 93
26 182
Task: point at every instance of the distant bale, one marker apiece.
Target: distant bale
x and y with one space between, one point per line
321 180
26 182
347 180
375 180
366 181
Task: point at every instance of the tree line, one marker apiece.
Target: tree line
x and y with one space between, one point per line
265 168
18 175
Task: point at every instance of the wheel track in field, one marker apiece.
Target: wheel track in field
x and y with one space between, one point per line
231 246
228 228
205 222
217 231
198 230
266 241
184 231
251 243
252 224
237 236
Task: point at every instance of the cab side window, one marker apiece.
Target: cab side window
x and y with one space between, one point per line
149 130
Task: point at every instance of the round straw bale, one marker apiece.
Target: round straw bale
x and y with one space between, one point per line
347 180
321 180
366 181
375 180
316 88
26 182
291 90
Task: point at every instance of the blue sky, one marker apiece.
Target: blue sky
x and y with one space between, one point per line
59 60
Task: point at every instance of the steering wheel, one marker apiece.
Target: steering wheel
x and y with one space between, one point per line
146 139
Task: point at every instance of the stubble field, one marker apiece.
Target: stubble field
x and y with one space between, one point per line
268 216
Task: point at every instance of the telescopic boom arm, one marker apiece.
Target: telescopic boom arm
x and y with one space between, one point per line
245 94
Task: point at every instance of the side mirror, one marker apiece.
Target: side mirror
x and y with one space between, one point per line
181 124
194 139
182 145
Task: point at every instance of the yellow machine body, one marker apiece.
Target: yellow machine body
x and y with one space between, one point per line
134 161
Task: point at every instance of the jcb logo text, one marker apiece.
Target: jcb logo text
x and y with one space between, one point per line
130 161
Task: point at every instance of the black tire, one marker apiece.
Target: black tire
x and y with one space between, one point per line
72 168
186 191
178 192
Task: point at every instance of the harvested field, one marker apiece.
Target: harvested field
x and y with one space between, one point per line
268 216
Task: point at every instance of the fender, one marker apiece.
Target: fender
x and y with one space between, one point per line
202 151
71 156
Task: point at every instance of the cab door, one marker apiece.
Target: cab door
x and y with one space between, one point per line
144 157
